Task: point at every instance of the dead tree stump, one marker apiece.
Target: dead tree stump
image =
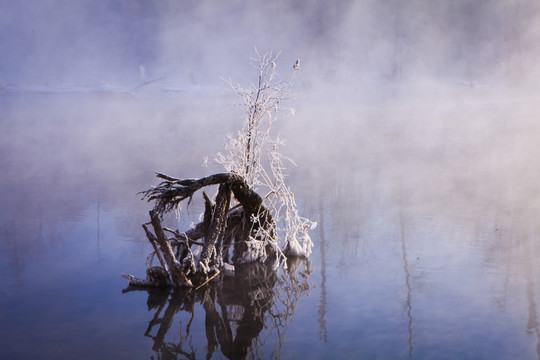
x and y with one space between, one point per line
222 227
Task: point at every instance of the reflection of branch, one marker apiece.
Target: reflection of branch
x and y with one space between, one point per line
165 322
288 292
179 347
156 320
237 309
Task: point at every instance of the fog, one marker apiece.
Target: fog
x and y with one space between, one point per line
444 75
81 42
433 102
415 134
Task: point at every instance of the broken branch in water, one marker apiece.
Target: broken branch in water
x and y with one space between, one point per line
223 227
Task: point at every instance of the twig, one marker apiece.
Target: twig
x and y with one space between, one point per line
206 282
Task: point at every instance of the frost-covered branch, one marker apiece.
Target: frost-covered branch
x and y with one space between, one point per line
262 105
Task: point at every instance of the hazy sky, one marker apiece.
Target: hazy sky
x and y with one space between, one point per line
85 41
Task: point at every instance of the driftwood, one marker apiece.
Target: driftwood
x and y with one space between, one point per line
248 228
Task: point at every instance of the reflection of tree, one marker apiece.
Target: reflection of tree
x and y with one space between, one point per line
242 312
407 273
532 323
322 306
511 248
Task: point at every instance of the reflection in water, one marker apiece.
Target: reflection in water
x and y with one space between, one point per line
97 226
532 323
241 311
407 285
322 306
467 190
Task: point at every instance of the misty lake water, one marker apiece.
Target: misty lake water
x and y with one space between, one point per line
426 247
